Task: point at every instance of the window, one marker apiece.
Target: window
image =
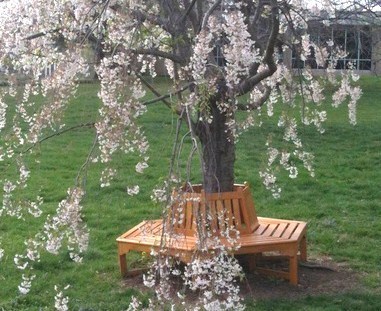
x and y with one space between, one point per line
355 41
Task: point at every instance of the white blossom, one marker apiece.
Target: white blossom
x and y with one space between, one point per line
26 284
135 304
141 166
240 53
3 110
67 224
60 301
200 56
134 190
269 180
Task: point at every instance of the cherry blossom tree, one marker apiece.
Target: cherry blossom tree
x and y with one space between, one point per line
222 57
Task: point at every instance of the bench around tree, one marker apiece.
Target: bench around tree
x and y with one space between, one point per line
257 235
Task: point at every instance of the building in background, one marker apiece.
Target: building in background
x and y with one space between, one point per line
357 34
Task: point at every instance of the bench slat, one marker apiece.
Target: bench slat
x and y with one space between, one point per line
237 214
290 230
189 215
280 230
229 213
300 229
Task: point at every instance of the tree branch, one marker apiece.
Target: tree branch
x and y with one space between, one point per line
85 165
268 57
257 12
208 13
89 124
200 11
157 99
41 34
189 13
257 104
153 90
183 114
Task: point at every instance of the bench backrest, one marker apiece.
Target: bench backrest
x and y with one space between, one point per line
216 211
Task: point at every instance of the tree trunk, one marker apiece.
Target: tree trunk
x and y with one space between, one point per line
218 152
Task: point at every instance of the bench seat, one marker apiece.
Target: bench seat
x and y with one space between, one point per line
284 237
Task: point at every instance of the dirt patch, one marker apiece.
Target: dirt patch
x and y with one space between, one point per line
317 277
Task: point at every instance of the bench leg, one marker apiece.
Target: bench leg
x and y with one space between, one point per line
303 249
123 264
293 270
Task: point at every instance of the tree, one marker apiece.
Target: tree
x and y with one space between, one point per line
222 57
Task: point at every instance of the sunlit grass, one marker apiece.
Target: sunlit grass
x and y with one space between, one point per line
342 204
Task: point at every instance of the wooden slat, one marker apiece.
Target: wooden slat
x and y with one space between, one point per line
195 211
158 227
174 216
187 244
229 213
182 213
261 228
213 215
255 239
223 195
147 226
280 230
188 215
273 220
245 214
202 214
270 230
298 231
249 206
221 215
129 232
237 214
289 231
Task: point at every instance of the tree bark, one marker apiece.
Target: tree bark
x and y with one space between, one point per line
218 152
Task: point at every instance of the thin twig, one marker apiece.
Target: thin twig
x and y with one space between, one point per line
187 12
208 13
155 100
86 163
89 124
258 103
153 90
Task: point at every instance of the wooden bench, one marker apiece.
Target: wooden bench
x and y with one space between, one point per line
257 235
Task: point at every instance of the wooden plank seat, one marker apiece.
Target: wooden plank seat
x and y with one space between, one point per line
258 235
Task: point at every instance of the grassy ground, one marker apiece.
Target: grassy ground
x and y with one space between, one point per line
342 205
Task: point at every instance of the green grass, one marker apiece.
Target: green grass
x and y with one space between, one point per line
342 205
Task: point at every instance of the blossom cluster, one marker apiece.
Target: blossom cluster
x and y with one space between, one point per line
60 301
67 224
240 53
347 90
117 129
26 284
215 277
202 49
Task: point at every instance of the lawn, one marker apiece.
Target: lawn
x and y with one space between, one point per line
342 205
